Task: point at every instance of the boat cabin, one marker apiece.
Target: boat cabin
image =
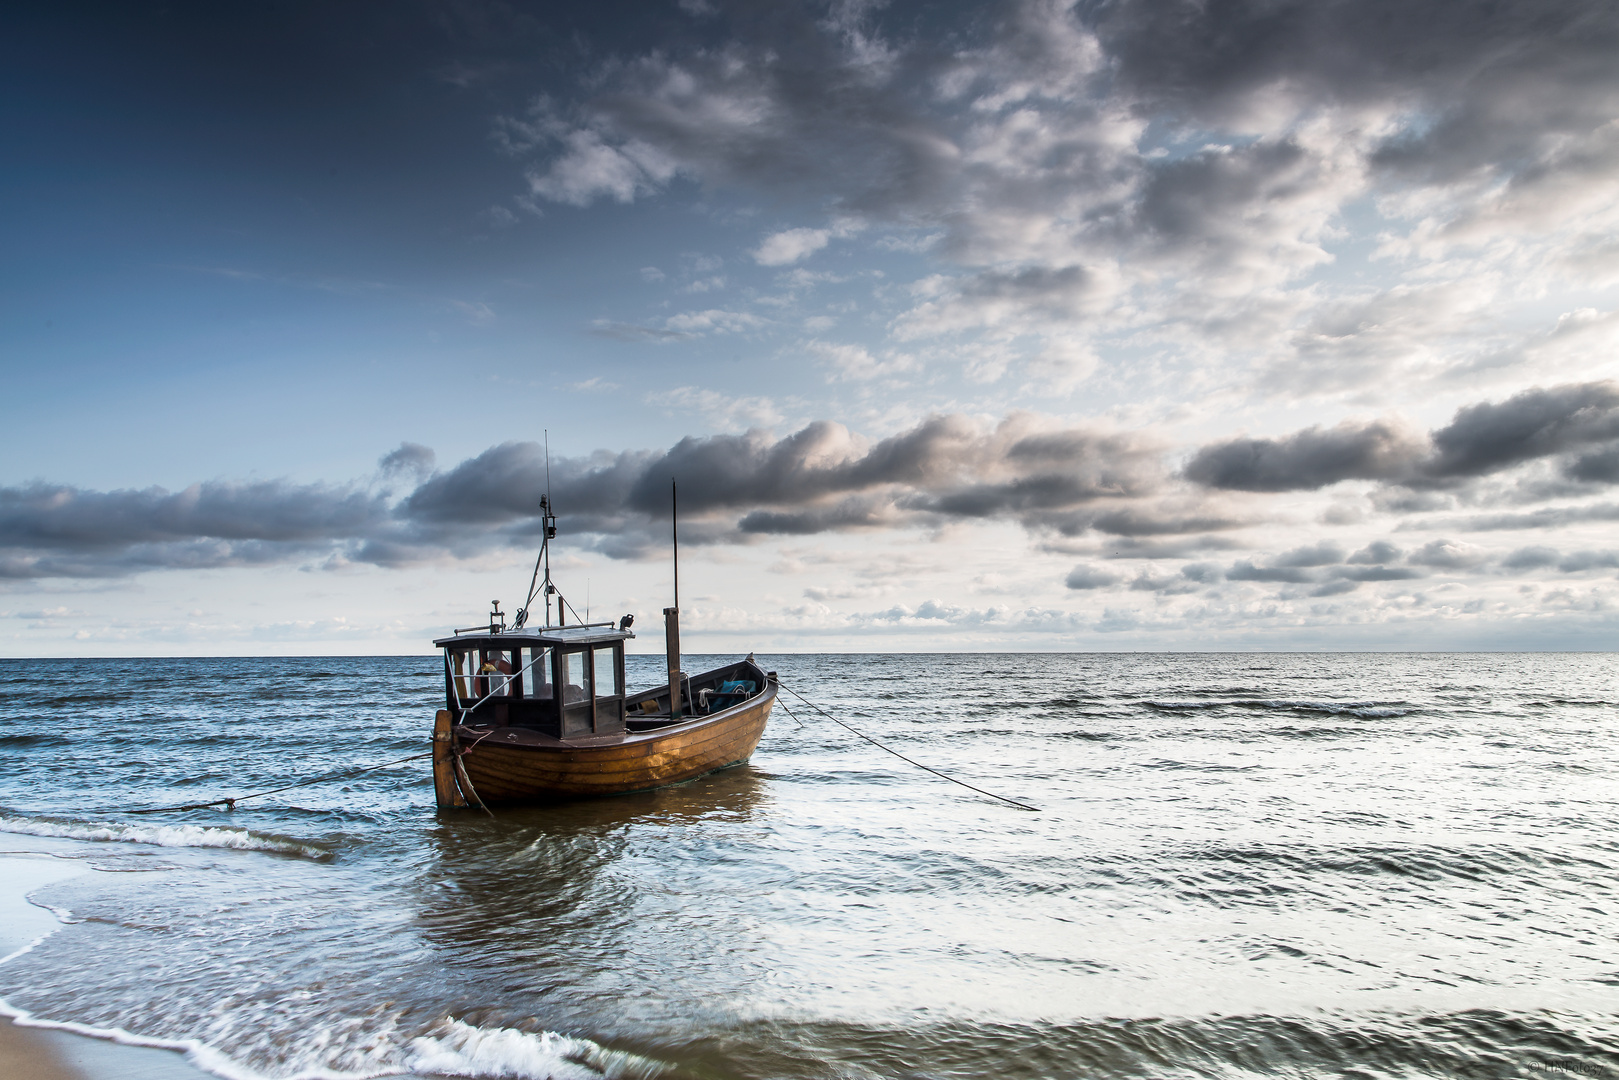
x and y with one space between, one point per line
562 681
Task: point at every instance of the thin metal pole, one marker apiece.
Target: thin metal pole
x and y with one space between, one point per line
674 531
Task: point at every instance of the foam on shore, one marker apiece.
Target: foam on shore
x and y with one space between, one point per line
450 1048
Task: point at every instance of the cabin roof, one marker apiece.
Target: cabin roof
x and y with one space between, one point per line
528 637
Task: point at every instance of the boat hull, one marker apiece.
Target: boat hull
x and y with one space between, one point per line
510 765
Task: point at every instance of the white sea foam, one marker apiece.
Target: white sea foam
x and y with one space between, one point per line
177 836
459 1049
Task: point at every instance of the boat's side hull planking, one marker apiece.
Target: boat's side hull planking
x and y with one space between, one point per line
516 773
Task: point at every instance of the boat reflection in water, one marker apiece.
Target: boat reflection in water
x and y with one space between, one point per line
565 914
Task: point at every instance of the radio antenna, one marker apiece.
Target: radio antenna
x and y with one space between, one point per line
674 533
548 530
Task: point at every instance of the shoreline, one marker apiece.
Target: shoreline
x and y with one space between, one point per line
33 1049
26 1055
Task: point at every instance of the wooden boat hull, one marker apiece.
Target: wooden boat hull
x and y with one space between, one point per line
514 765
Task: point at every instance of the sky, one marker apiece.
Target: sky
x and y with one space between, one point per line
1124 325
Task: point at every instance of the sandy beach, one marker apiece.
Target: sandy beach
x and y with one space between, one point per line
26 1055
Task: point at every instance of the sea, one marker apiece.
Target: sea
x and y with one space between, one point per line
1225 866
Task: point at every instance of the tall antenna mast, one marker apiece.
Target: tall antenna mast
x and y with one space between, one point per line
548 530
550 523
671 615
674 532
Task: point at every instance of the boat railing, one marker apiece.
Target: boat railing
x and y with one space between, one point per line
489 629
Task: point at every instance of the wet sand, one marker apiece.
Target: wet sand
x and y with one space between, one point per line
26 1054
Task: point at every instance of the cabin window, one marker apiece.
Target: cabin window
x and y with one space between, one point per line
459 668
497 671
537 680
606 673
575 676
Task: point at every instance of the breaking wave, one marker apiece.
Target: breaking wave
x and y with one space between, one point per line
175 836
460 1049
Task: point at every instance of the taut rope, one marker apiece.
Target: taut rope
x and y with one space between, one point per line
896 753
230 803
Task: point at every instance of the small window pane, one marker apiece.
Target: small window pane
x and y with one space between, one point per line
537 679
458 668
606 673
575 690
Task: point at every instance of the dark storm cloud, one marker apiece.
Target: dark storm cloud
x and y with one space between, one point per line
1309 459
848 514
1578 561
1497 78
70 519
51 530
1375 554
1537 423
1598 468
1090 577
1322 564
1530 558
1485 438
1245 570
1540 557
840 93
817 479
1002 123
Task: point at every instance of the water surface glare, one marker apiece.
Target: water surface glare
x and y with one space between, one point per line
1243 865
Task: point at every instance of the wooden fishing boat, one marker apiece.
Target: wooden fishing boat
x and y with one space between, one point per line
540 714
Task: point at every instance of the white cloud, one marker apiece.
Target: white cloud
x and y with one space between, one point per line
726 412
786 248
852 363
713 321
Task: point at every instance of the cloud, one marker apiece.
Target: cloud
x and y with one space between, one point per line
1553 517
1084 576
1324 553
49 530
1076 166
1537 423
785 248
1309 459
1530 558
408 458
852 363
1448 555
734 412
1481 439
1579 561
713 321
589 168
732 486
1375 554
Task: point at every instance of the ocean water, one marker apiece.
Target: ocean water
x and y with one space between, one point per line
1241 866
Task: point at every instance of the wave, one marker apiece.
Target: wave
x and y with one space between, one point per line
33 739
1369 710
177 836
451 1048
460 1049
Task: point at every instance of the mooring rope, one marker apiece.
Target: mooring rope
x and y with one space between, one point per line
896 753
230 803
